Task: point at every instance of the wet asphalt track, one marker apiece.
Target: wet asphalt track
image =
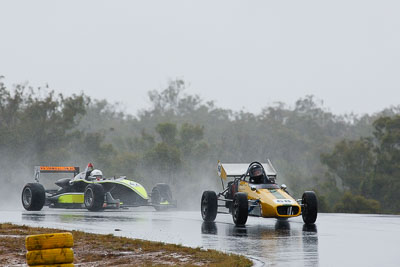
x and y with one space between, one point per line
336 239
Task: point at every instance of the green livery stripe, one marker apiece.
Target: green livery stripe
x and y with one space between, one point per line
276 194
138 189
71 198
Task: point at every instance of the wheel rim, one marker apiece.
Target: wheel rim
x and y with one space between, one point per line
204 209
234 210
27 197
88 197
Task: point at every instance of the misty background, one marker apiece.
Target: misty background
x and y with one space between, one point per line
160 91
242 55
350 161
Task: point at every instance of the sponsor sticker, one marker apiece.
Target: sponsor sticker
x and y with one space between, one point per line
133 183
283 201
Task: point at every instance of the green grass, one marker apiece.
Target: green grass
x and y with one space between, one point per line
110 250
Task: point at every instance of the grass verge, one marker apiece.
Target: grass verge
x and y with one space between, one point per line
110 250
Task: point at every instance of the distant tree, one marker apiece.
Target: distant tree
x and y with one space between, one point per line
180 137
386 182
370 166
167 132
350 203
44 125
37 127
353 162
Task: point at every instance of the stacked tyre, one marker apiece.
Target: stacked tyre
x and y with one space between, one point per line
50 250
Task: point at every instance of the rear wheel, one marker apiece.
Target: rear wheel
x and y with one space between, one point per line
209 206
161 193
310 207
240 209
33 196
94 197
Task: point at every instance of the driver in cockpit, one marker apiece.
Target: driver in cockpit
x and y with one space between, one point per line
257 175
89 174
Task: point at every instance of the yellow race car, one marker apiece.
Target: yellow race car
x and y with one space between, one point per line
254 192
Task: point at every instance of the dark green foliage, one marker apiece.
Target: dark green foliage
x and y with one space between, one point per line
370 167
353 162
179 139
350 203
38 127
41 125
167 132
166 158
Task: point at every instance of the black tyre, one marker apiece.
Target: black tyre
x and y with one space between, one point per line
209 206
160 194
94 197
240 209
33 196
229 195
310 207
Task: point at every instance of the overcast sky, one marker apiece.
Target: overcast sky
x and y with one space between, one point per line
242 54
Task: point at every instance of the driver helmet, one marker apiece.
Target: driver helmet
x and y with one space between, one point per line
97 174
256 171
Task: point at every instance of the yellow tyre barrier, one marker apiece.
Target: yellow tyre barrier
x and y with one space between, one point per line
49 241
50 256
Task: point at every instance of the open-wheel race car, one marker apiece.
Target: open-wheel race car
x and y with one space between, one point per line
90 190
253 191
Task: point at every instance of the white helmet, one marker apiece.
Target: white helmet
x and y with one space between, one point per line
97 174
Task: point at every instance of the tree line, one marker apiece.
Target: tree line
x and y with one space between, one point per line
349 160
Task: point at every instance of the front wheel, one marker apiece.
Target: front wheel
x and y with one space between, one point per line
94 197
240 209
33 196
209 206
161 195
310 207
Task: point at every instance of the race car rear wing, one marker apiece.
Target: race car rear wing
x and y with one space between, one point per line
235 170
54 169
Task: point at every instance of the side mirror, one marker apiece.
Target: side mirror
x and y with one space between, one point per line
283 186
253 188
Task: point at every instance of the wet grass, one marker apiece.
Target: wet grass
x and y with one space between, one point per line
110 250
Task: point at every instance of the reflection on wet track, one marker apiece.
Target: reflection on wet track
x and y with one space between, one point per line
274 243
336 239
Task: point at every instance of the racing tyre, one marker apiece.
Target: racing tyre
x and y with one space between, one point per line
310 207
50 256
240 209
209 206
33 196
49 241
161 193
94 197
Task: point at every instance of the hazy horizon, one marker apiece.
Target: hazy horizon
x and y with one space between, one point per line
242 55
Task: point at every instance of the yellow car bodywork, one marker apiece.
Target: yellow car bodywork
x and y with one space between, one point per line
273 203
253 191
